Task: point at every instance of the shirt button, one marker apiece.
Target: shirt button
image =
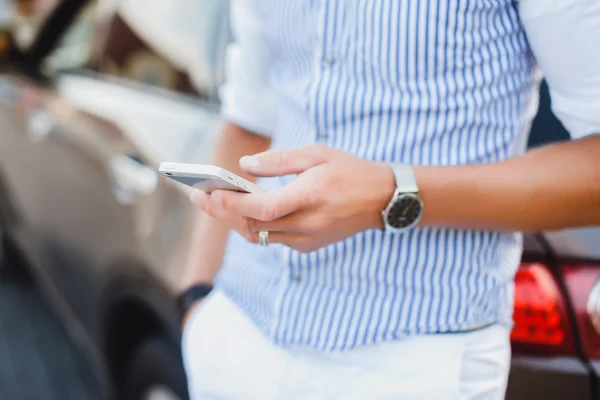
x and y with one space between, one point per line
327 62
321 137
296 278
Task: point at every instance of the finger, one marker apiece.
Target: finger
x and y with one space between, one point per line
200 198
243 226
299 222
203 200
266 206
297 241
285 162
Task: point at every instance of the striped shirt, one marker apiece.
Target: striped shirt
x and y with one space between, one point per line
431 82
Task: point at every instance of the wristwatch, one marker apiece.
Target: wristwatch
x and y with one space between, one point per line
405 209
191 295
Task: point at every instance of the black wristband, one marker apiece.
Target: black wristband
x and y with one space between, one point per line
191 295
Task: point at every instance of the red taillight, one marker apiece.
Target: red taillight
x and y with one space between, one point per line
540 319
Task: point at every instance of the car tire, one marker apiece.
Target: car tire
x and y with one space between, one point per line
2 251
155 373
12 264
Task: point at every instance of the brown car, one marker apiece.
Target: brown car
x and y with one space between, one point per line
90 106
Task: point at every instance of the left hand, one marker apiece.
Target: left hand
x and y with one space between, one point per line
335 195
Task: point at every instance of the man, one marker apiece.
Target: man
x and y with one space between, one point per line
393 133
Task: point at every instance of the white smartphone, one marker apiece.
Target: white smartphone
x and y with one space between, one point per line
207 177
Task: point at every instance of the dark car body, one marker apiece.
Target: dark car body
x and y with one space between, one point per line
106 237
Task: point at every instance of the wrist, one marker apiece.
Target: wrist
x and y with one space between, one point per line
403 209
451 195
423 178
191 296
383 188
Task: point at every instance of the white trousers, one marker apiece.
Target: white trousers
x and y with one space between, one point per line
227 357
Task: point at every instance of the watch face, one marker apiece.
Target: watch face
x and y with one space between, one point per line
405 212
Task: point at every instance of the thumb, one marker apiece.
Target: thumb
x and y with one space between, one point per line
284 162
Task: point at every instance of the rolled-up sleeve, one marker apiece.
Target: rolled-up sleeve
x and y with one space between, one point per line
246 96
564 36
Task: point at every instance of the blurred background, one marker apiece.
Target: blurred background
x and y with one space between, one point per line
94 94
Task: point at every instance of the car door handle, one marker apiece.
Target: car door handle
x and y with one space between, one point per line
131 178
39 124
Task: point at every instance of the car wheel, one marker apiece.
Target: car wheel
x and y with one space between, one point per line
12 264
155 373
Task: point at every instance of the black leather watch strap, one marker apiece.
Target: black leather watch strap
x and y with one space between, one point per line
191 295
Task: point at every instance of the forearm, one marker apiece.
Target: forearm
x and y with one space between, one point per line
554 187
210 236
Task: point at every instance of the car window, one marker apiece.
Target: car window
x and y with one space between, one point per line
74 49
179 46
172 45
124 54
27 17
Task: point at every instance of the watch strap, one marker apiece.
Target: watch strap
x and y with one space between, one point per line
191 295
406 182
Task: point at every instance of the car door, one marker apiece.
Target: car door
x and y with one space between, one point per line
56 165
78 154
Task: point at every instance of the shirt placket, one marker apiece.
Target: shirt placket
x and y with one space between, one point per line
325 58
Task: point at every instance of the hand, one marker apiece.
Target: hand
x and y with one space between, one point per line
335 195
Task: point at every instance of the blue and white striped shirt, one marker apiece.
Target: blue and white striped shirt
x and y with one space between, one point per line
430 82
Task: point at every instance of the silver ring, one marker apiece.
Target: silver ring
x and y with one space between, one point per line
263 238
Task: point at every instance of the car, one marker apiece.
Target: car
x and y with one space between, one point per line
556 334
86 123
90 105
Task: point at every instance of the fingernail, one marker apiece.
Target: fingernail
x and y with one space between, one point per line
197 196
249 163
